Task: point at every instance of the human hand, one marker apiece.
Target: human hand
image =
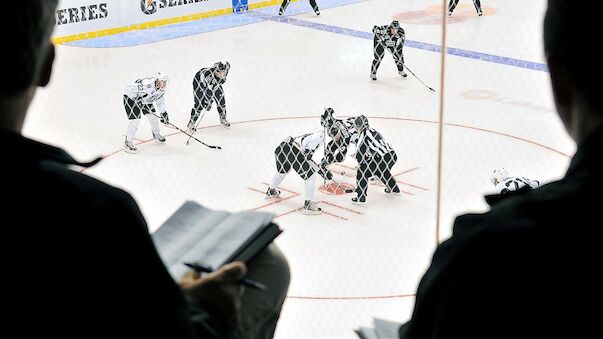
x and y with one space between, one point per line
220 290
328 175
165 119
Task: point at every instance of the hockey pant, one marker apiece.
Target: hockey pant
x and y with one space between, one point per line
379 52
204 97
452 5
379 166
134 111
288 155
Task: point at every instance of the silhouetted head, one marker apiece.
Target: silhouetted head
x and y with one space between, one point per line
28 62
575 67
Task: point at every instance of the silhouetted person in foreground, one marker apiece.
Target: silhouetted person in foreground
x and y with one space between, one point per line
78 258
528 267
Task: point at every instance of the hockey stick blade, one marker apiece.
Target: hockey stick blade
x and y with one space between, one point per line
191 136
201 142
421 81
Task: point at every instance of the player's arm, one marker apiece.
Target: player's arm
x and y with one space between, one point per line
379 31
362 152
227 69
161 109
131 91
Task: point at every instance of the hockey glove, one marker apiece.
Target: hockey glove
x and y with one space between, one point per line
206 104
328 175
378 31
164 118
325 173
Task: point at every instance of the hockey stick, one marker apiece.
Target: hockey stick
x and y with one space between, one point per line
196 125
411 72
190 135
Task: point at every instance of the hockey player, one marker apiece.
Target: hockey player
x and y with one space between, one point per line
296 153
375 158
285 3
503 183
390 37
452 5
145 97
207 87
342 134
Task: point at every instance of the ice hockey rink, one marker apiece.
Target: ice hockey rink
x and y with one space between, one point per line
351 263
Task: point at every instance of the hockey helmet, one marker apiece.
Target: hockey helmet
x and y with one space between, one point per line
332 132
220 69
499 175
327 118
361 123
220 66
163 78
395 24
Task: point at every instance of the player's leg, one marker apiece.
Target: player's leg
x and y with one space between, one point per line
378 52
284 5
200 106
149 111
133 114
283 166
451 6
221 103
308 172
387 162
362 174
314 7
399 59
478 7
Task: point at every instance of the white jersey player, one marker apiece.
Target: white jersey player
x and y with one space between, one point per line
145 97
296 153
503 183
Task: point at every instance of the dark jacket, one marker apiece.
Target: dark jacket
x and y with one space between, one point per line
79 261
525 269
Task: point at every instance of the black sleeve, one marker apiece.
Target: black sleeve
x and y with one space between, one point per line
361 152
159 301
471 287
198 81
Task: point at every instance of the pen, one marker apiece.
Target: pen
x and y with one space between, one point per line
247 282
